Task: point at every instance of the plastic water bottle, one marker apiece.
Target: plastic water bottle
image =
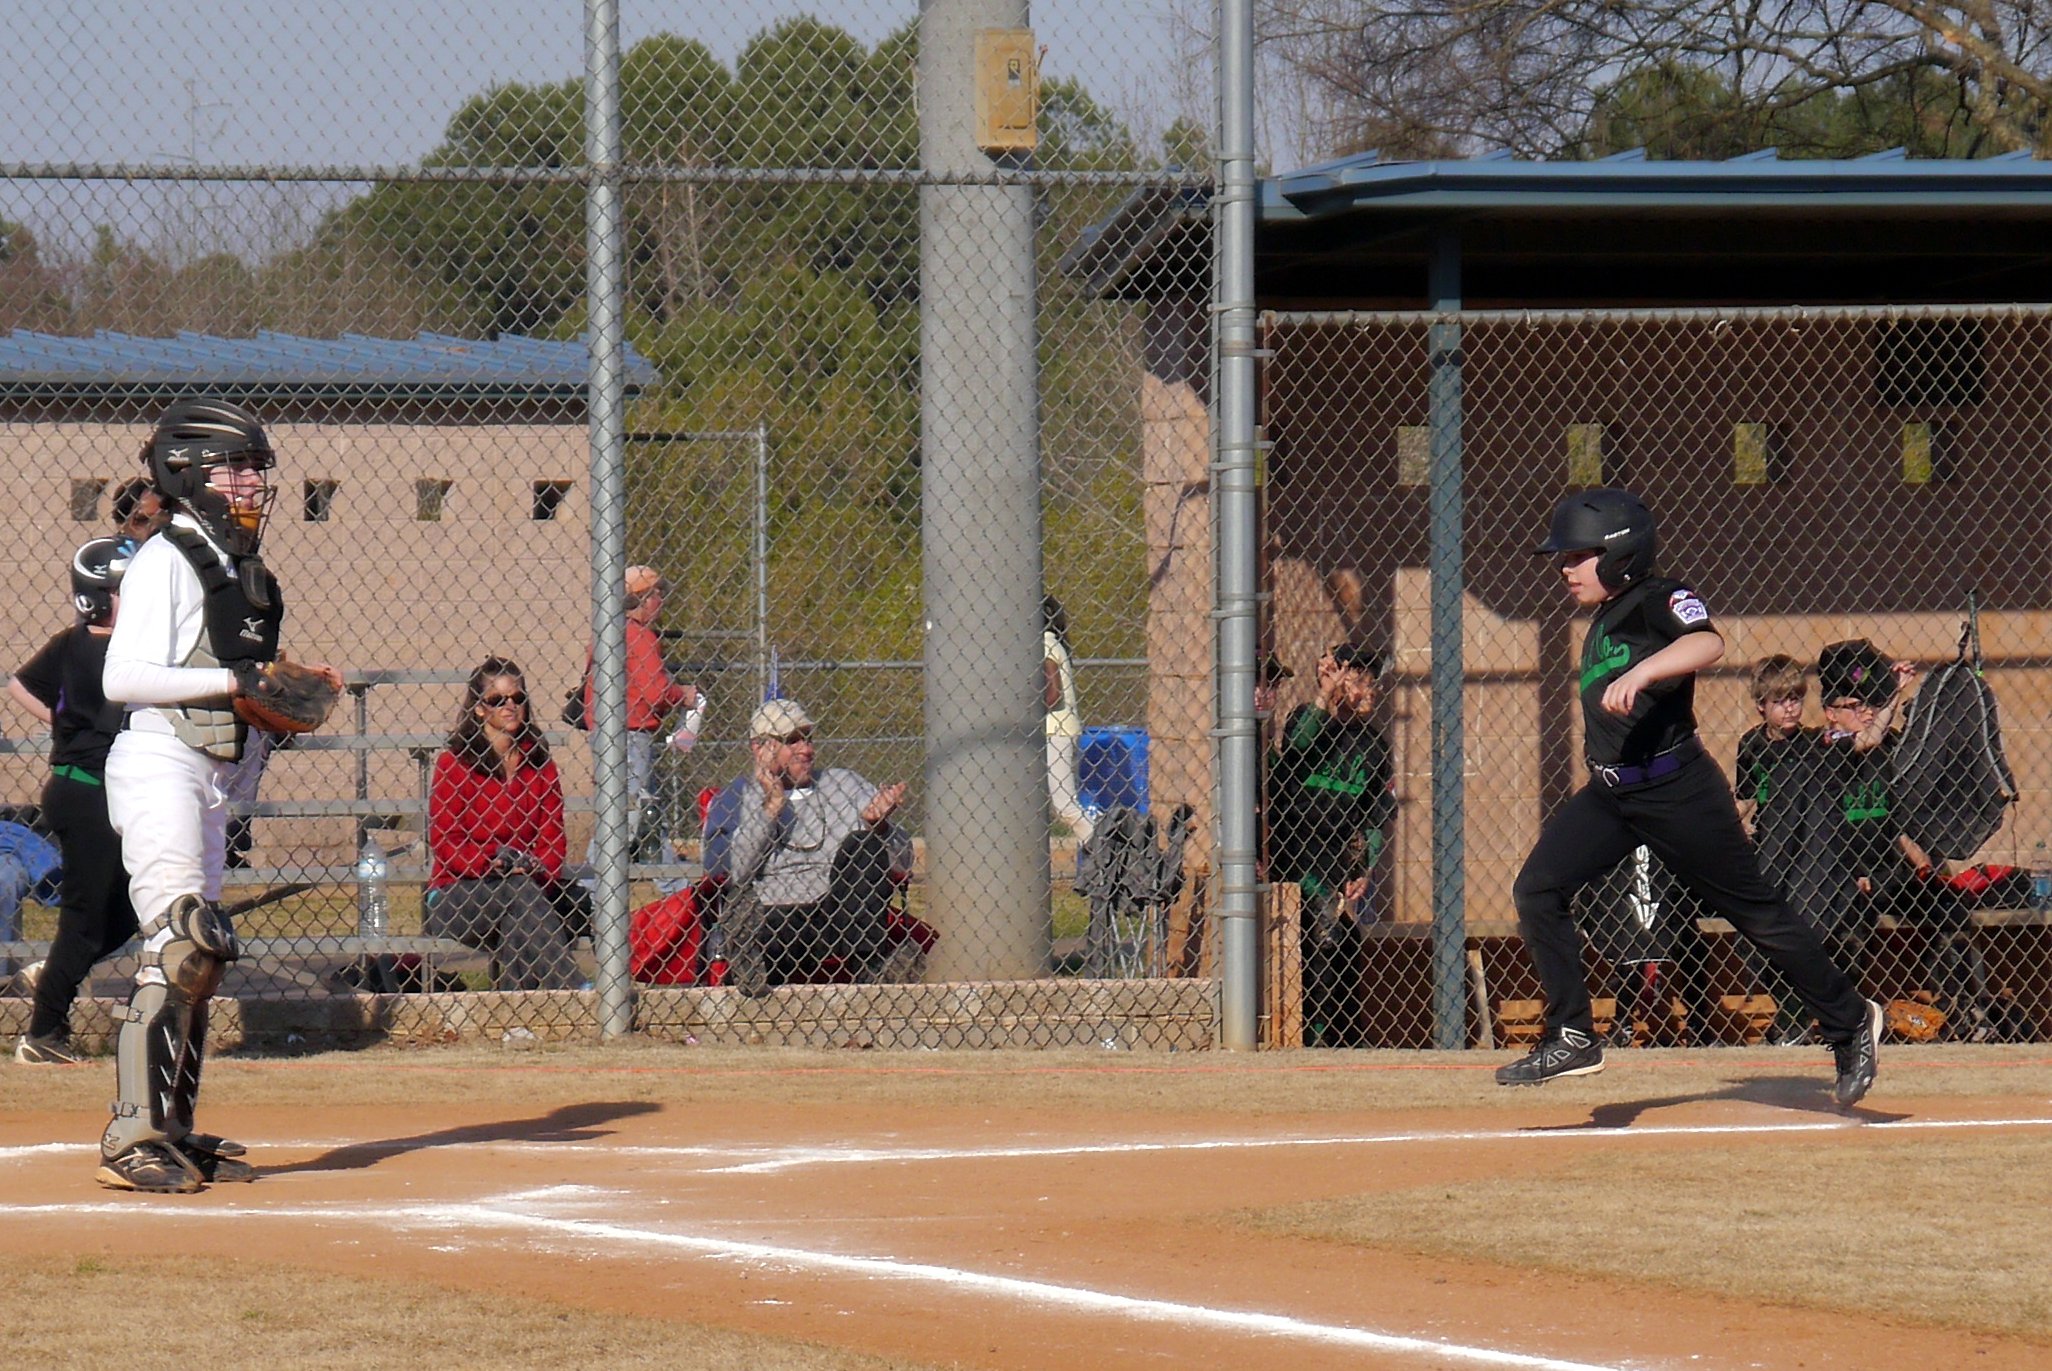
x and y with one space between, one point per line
2041 877
645 838
686 736
373 901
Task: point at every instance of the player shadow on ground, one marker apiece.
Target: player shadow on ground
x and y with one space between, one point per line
570 1123
1805 1093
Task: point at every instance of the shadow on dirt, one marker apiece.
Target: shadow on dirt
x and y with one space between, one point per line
570 1123
1805 1094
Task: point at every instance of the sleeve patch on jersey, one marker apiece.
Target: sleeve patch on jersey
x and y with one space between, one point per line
1686 608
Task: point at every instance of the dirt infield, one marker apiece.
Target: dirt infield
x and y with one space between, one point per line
1070 1210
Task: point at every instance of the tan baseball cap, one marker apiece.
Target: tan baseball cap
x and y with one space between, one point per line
779 718
642 579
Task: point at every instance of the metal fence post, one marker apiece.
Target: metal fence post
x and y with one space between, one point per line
1233 476
606 329
1449 676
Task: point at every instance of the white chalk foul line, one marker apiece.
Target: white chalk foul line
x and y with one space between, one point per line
494 1214
754 1160
792 1158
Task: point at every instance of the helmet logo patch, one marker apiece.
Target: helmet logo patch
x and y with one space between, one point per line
1687 608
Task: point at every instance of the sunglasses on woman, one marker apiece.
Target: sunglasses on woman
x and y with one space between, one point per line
518 697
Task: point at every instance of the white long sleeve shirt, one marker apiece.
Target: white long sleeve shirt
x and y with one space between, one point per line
163 614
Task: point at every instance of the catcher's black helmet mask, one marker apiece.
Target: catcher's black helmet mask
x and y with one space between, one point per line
193 438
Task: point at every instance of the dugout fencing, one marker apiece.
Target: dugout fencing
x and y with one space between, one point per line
1820 475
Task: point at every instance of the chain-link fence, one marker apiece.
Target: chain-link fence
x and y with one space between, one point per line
899 411
887 458
1846 490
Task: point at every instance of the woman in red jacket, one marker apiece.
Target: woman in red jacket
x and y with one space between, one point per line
495 833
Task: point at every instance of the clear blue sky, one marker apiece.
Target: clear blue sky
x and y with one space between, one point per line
335 82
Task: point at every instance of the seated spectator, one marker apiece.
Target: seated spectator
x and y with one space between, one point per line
809 857
495 836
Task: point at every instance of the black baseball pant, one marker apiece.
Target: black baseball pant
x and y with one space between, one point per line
1691 823
93 913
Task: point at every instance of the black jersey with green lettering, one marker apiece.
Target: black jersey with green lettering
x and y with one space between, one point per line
1774 773
1628 628
1330 799
1854 795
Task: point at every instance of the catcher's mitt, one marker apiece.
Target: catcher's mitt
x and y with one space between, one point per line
1913 1021
283 697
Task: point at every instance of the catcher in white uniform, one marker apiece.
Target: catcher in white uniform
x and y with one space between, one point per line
194 656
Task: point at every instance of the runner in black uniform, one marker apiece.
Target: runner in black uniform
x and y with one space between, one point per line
1651 782
93 916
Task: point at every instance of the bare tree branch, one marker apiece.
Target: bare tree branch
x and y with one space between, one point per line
1440 77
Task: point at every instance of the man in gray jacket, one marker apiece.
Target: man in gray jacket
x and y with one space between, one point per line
809 856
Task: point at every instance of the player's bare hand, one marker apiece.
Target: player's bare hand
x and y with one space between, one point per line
1355 890
1330 678
883 804
1622 694
1905 674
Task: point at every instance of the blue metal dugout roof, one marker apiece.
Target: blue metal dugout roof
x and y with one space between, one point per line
48 367
1625 229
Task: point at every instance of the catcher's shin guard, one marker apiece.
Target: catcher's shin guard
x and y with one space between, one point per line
163 1039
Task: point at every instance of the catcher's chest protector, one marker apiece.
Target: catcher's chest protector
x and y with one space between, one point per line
239 629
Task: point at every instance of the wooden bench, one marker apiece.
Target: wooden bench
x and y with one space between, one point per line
1745 1019
1501 991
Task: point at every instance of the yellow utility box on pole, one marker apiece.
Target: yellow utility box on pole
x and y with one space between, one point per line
1007 91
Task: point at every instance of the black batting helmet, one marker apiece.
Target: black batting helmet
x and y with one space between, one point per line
1615 524
195 436
96 571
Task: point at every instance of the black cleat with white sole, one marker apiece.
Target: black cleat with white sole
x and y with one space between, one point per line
1563 1052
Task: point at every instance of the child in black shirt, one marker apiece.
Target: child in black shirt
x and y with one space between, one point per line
1859 855
61 686
1775 766
1652 783
1330 804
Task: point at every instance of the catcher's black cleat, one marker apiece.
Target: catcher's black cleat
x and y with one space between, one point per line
209 1142
1567 1052
153 1168
1859 1061
216 1158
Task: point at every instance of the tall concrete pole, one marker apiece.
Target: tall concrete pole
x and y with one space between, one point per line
986 769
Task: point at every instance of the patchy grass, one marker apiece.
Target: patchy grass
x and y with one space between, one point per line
249 1315
1933 1231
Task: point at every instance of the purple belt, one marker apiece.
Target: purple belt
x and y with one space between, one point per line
1663 764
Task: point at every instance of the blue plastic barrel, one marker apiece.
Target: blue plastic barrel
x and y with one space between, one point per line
1113 769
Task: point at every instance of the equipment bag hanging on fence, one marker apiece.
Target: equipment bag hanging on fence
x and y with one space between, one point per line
1952 784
